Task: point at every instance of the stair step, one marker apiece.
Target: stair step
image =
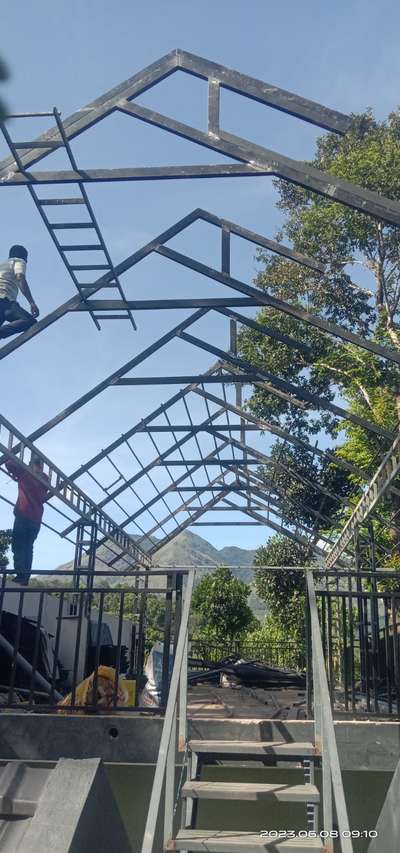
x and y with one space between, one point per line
244 842
257 748
250 791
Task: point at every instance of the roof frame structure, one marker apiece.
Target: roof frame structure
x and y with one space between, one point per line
260 494
122 98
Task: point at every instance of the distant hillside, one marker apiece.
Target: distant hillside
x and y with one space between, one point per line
188 549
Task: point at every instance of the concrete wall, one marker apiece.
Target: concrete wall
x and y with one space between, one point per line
135 739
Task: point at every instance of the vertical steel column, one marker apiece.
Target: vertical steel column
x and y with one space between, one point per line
360 613
374 615
233 326
167 642
309 674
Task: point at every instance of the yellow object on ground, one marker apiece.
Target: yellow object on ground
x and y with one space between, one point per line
129 686
104 698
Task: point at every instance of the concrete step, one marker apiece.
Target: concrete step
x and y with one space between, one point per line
243 842
21 787
239 748
250 791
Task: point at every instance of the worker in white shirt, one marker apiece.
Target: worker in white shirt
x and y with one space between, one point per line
12 280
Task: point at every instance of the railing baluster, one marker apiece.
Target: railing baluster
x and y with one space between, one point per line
170 784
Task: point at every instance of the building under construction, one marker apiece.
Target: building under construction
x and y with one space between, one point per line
201 455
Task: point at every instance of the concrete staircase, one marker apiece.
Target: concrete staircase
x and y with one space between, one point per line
188 838
68 808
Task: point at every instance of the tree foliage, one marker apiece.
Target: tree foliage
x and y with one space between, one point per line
220 602
283 591
360 290
5 542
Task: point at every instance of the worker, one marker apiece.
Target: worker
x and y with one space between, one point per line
12 279
28 512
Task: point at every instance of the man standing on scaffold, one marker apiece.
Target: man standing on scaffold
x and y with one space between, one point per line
12 280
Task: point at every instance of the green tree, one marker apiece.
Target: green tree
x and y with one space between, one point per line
283 591
220 602
5 542
359 290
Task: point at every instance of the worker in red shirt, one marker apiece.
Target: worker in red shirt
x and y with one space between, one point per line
28 511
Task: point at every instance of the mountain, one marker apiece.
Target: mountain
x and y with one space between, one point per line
189 549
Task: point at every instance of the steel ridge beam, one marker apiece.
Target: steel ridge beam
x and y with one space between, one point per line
293 394
272 302
377 488
294 171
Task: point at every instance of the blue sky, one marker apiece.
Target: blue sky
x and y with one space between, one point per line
344 55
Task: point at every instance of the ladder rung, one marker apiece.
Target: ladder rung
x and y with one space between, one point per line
101 317
82 247
60 201
48 144
90 267
91 288
57 226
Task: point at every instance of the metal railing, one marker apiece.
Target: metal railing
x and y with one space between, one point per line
175 726
324 732
360 623
289 654
54 636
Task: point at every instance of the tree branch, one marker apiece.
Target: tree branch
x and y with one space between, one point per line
359 385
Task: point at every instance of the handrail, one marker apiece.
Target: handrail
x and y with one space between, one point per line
165 768
325 739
